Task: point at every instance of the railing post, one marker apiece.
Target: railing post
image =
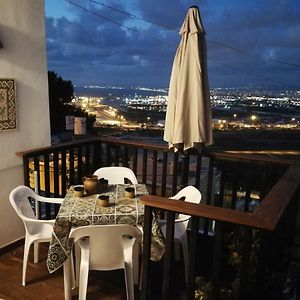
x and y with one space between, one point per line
37 168
245 262
56 178
248 188
164 174
216 267
184 170
64 173
146 253
263 264
26 170
36 190
170 216
117 156
47 183
135 160
71 166
192 258
125 157
198 171
97 154
87 159
154 173
79 165
175 167
208 192
144 172
234 186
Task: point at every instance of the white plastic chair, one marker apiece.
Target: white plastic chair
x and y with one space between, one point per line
107 247
191 194
116 175
35 230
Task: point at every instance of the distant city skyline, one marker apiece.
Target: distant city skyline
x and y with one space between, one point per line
249 42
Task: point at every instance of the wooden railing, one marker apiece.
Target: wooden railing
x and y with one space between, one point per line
251 199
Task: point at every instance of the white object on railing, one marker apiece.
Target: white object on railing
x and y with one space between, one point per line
70 120
80 126
36 190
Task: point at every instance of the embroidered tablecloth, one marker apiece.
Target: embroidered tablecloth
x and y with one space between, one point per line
82 211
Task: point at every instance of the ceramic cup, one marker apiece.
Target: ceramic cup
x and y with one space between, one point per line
78 191
103 200
129 192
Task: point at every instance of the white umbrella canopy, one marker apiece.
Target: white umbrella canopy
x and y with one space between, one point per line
188 118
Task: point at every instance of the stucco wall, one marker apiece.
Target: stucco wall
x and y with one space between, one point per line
23 57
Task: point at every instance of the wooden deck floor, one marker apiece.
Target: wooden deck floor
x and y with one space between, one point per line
42 285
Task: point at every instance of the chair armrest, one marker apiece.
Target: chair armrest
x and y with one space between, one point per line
136 232
50 200
179 220
36 221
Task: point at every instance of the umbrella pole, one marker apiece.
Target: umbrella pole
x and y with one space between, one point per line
185 159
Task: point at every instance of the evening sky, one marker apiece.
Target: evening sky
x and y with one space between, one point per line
253 42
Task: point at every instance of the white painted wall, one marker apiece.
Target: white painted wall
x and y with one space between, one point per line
23 57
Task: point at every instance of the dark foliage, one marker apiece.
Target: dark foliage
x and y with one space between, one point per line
61 93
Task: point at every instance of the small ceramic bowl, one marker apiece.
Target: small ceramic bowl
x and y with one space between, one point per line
103 200
78 191
129 192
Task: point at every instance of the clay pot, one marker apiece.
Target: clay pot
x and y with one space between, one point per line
91 184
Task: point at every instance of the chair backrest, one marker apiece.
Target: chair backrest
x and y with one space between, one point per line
191 194
20 201
106 244
116 175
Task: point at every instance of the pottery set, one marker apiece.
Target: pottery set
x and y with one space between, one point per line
93 185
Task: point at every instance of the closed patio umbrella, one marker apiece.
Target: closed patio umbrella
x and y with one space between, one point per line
188 117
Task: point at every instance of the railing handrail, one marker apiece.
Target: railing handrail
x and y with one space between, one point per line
266 216
58 146
276 201
161 147
235 180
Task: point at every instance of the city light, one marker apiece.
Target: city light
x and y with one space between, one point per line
268 107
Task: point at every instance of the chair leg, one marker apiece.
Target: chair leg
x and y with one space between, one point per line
177 251
73 275
135 257
77 263
129 281
36 252
25 259
67 278
84 273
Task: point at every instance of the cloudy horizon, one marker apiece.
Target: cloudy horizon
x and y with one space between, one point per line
248 42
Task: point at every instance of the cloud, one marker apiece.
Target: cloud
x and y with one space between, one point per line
88 48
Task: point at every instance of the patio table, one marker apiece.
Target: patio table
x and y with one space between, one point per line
81 211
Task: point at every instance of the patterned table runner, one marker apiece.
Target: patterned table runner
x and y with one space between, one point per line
82 211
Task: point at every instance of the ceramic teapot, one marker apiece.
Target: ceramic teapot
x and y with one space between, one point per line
91 184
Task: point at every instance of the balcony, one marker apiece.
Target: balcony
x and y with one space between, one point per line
242 237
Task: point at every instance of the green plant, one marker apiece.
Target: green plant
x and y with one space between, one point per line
231 263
